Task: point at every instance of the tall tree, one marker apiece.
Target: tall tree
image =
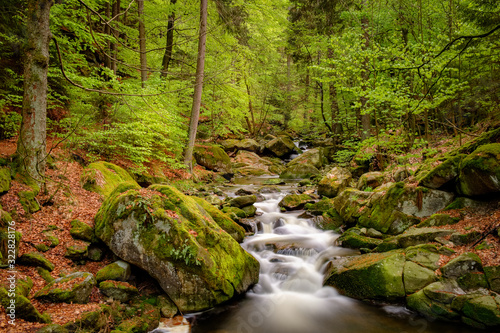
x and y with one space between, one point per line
198 86
31 145
167 57
142 43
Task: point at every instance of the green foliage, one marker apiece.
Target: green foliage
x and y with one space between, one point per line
9 124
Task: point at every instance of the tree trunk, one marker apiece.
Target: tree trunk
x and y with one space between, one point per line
32 144
198 87
287 115
167 57
365 116
251 126
114 48
142 43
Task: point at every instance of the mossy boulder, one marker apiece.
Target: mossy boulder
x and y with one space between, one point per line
37 260
28 201
483 309
463 264
82 231
5 237
426 255
53 328
416 277
398 207
353 239
315 157
295 201
234 213
174 239
4 179
72 288
442 176
299 171
281 146
103 177
438 220
250 164
245 144
334 182
213 158
243 201
77 252
117 271
480 171
370 180
224 220
118 290
322 206
417 236
369 276
19 306
429 308
351 204
493 276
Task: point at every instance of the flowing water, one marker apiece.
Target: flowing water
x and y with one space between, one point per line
290 296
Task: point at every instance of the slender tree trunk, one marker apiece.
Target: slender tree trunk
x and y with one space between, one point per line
287 115
107 31
198 87
142 43
32 143
114 48
167 57
365 116
251 126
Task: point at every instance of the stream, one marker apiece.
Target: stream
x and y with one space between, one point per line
290 296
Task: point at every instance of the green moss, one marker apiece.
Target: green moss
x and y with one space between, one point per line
103 178
354 240
4 179
28 201
82 231
24 309
37 260
45 274
295 201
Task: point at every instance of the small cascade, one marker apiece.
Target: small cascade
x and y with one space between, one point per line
290 296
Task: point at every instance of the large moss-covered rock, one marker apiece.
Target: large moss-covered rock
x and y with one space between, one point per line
117 271
443 175
438 220
370 180
72 288
118 290
430 308
480 171
416 236
213 158
295 201
243 201
6 239
426 255
315 157
493 276
19 306
299 171
245 144
353 239
103 177
4 179
281 146
37 260
369 276
483 309
250 164
351 204
463 264
77 252
177 241
82 231
28 201
416 277
334 182
224 220
399 207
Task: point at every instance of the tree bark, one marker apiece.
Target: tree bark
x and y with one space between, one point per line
167 57
114 47
198 87
142 43
32 144
365 116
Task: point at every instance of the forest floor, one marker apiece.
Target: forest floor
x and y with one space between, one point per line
65 200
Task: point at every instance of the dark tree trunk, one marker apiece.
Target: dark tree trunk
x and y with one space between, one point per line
31 145
142 43
167 57
198 87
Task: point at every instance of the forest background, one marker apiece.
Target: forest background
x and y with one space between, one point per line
391 74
